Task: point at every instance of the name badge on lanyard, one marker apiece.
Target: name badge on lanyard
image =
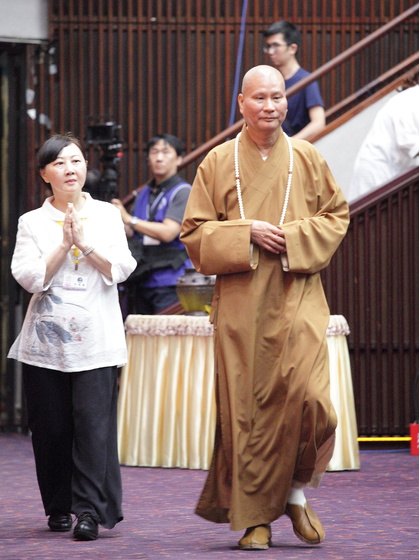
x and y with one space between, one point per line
75 282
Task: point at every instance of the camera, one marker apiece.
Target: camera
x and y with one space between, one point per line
104 134
107 137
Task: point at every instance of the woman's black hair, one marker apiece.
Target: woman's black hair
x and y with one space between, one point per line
53 146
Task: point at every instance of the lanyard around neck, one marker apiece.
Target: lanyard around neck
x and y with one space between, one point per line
152 208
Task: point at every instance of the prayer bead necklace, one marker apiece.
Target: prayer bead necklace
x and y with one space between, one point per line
238 186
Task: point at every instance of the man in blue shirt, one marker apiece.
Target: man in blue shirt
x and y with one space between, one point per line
306 114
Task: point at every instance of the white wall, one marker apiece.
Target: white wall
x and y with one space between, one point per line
24 21
340 147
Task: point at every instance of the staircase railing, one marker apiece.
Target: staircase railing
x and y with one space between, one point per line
315 75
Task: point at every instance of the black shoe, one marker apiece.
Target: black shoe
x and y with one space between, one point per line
60 522
87 528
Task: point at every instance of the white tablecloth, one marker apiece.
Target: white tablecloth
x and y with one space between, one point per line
346 453
166 413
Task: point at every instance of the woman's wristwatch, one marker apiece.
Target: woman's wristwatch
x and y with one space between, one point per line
133 221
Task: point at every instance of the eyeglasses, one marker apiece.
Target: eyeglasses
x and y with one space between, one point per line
274 46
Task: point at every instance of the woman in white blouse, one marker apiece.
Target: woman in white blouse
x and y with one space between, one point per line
70 254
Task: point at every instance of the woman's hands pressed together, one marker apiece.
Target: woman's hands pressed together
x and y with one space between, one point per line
73 232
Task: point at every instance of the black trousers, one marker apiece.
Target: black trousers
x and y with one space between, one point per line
72 417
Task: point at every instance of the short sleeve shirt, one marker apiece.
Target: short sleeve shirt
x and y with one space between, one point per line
299 104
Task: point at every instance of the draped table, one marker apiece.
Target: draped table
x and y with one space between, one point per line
346 453
166 408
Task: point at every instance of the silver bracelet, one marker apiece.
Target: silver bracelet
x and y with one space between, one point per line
85 253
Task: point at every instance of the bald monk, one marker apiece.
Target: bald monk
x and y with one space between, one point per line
265 215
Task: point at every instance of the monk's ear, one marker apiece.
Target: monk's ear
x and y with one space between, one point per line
240 101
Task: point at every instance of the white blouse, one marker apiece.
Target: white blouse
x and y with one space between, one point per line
74 323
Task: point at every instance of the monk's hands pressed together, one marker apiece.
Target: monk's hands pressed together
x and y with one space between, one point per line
268 236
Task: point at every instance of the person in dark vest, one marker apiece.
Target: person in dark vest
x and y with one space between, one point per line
155 226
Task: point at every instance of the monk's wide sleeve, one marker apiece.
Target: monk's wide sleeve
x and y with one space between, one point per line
215 245
311 241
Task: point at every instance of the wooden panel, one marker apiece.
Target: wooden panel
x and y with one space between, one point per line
373 281
170 65
160 65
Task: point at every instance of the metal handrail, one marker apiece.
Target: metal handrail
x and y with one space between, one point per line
406 64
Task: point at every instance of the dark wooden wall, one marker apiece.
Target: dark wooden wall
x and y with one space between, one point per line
170 65
373 280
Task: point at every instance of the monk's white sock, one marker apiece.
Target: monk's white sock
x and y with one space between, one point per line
296 496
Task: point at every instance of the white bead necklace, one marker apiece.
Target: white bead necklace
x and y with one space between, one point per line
238 186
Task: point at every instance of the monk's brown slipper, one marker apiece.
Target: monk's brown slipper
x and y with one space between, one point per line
305 523
256 538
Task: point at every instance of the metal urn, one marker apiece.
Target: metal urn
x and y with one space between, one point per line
195 292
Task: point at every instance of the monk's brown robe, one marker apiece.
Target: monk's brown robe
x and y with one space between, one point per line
275 420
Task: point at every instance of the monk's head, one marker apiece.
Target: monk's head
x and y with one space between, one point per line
262 100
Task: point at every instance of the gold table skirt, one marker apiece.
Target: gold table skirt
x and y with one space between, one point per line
166 409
